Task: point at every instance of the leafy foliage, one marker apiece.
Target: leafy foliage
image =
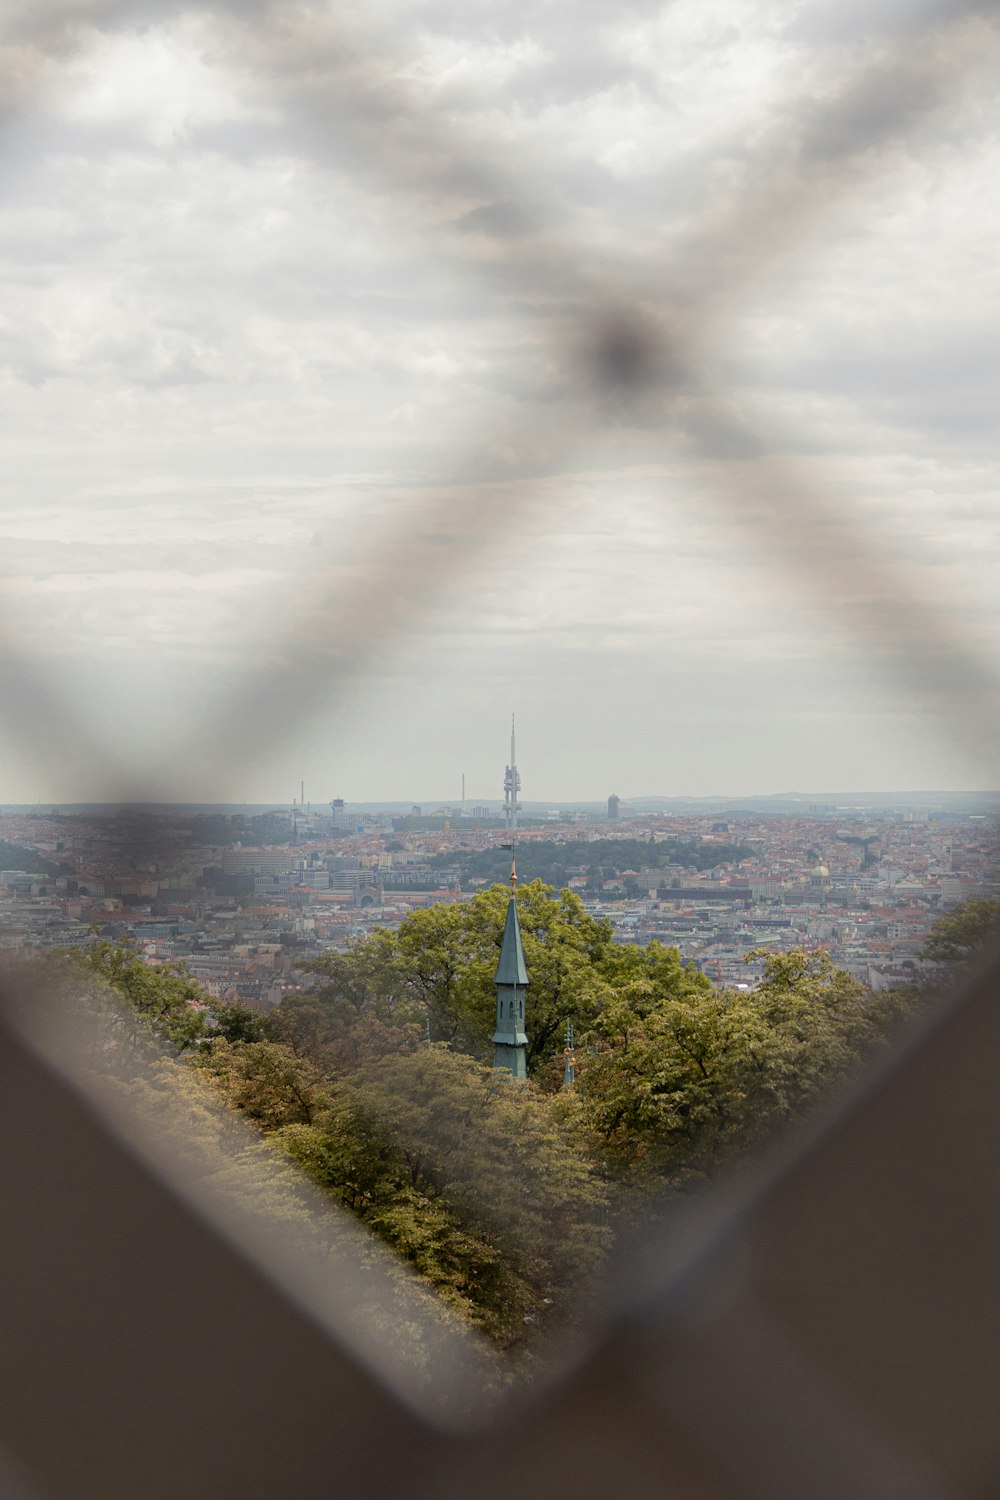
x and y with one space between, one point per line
495 1151
198 1140
18 857
467 1176
433 978
671 1087
265 1082
163 998
499 1193
237 1023
962 930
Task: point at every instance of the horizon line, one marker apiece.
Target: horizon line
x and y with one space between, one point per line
918 793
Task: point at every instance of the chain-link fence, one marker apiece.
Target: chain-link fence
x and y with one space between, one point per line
824 1329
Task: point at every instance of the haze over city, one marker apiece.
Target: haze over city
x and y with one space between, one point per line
363 385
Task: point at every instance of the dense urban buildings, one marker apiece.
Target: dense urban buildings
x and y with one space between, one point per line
242 897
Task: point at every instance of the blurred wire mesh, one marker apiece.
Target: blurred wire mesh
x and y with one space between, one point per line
632 340
627 338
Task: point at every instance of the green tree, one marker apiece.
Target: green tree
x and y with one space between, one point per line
476 1181
18 857
357 1012
499 1193
959 932
496 1151
468 1177
237 1023
436 974
350 1153
266 1082
671 1086
164 999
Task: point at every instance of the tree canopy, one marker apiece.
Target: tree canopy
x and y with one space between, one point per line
19 857
468 1176
163 997
555 862
959 932
503 1195
434 976
674 1085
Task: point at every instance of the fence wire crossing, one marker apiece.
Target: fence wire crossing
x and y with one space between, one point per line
632 339
718 1370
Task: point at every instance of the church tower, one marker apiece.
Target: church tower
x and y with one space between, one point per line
510 1043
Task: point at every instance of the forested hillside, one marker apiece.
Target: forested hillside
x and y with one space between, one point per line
505 1197
18 857
600 859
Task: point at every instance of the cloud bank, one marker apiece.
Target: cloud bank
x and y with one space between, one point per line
361 383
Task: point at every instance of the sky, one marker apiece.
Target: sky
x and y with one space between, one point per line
629 368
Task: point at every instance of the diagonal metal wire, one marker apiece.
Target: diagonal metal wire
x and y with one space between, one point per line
628 348
735 1365
631 346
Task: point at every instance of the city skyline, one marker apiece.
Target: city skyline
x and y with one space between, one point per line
474 790
245 895
637 805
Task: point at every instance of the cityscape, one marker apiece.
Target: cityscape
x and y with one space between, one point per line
499 797
243 897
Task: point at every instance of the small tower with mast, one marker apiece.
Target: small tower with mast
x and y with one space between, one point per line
510 1043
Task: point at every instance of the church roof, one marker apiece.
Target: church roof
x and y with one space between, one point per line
511 969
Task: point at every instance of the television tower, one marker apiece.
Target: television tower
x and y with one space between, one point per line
511 784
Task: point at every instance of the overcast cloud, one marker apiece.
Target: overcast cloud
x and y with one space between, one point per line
632 368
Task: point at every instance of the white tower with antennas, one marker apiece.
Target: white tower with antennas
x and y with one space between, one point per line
511 784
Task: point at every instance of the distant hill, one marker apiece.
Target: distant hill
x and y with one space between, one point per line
779 803
603 859
799 804
16 857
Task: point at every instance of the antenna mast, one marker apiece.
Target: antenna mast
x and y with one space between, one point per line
511 784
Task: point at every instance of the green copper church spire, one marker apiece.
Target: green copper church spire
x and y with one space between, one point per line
511 979
569 1057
